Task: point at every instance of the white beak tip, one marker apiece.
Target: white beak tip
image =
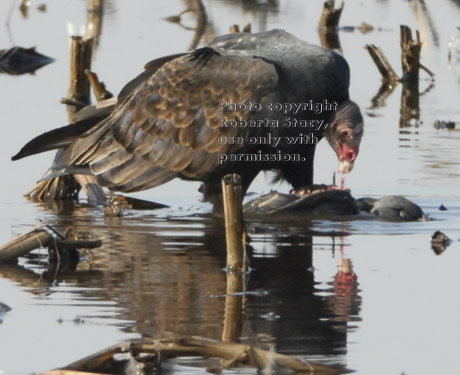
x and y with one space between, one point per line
345 166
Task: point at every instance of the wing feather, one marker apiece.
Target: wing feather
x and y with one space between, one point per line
172 121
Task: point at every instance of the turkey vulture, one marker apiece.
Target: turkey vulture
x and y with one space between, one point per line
242 104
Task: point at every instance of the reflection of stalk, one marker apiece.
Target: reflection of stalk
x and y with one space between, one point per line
233 320
93 27
202 21
385 90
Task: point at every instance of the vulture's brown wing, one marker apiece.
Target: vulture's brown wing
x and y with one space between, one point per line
170 125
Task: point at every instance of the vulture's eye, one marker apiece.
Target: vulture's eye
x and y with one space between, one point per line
345 135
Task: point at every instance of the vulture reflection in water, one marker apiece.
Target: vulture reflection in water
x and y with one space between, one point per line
188 116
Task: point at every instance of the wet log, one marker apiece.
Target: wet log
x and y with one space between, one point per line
42 236
233 354
234 224
24 244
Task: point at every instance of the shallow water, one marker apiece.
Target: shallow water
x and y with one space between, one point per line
160 272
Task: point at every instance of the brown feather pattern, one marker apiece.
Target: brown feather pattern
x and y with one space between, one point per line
173 121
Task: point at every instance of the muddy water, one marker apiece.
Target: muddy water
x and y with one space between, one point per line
160 272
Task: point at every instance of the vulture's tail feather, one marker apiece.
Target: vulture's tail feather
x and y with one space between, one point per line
54 139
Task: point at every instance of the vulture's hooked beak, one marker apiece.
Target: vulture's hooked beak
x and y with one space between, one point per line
347 156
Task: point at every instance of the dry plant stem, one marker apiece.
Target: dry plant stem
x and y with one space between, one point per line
80 60
330 17
410 60
410 54
100 92
234 29
247 28
234 224
382 63
428 71
328 26
74 103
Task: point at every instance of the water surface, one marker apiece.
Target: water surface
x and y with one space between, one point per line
160 272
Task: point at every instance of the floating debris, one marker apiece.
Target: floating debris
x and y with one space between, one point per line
256 293
4 308
439 242
365 28
442 208
271 316
19 60
438 124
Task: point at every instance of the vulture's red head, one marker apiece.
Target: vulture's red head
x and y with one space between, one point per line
344 134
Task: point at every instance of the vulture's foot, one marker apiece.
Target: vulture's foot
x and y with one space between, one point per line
316 188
